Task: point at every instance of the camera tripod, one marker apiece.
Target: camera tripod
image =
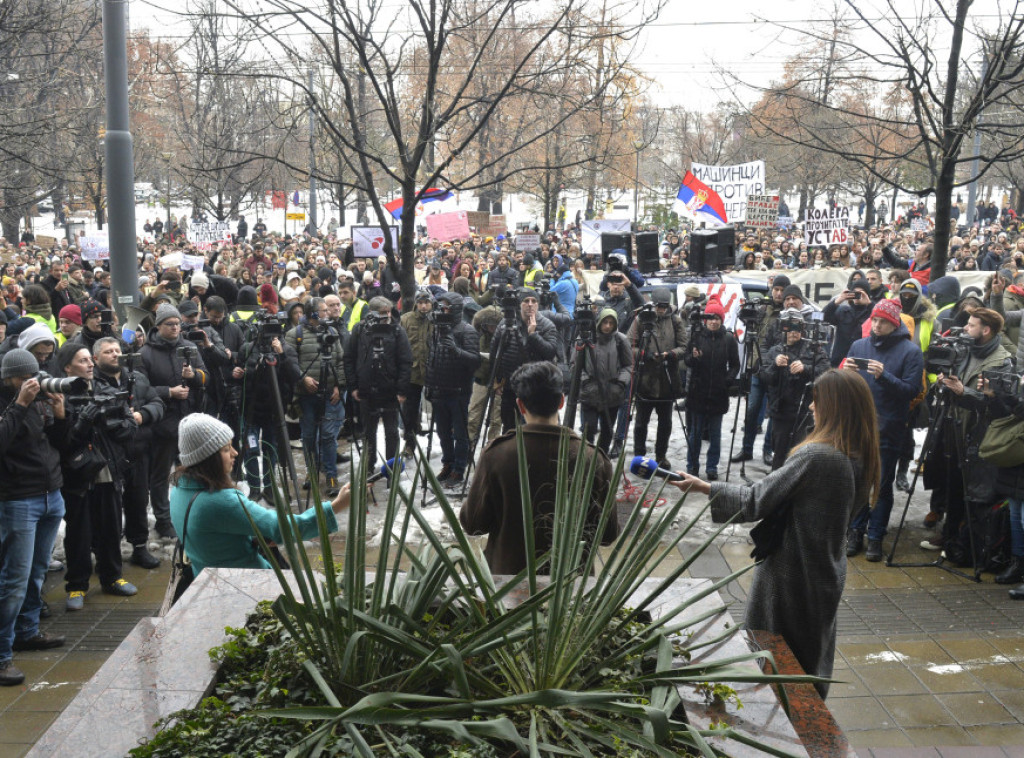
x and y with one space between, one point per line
942 427
640 361
584 347
751 365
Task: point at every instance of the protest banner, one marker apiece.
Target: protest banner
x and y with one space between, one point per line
785 222
734 184
827 226
192 262
171 260
46 242
593 229
528 242
762 211
445 227
368 241
95 247
206 235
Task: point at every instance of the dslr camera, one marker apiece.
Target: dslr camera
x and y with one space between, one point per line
1005 383
64 385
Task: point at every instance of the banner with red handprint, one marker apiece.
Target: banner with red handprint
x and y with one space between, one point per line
368 241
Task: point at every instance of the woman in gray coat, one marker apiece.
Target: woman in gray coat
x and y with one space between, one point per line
797 587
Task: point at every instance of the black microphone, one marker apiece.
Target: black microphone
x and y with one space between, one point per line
386 469
645 468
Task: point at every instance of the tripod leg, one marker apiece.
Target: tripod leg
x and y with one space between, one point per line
735 423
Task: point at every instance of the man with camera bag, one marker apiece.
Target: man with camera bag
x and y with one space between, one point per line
178 375
454 356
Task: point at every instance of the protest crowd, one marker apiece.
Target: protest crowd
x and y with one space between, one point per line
91 412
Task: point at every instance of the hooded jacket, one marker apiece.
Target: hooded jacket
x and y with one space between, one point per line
30 439
163 367
420 330
921 309
604 381
454 353
659 380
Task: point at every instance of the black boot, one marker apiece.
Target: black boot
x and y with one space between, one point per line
1014 573
901 475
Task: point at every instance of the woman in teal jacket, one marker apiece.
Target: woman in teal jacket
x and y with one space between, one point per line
219 532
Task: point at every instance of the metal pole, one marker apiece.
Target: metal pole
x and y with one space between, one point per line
972 189
312 155
120 161
636 192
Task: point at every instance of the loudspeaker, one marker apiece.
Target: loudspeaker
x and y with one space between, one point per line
726 247
647 259
703 251
611 242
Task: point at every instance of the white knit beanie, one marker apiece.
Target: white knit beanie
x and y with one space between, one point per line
200 436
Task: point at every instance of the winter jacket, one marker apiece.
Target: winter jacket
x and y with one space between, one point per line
163 367
379 383
303 340
848 320
624 305
566 289
420 330
30 443
712 373
490 316
659 380
518 347
604 381
454 353
503 276
258 386
899 383
144 400
786 390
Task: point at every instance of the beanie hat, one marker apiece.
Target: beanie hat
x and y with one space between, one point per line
781 281
71 313
693 291
18 362
889 310
860 284
199 279
525 292
246 296
714 308
792 291
164 312
200 436
34 335
90 308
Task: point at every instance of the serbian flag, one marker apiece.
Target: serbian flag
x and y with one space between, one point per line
431 193
699 201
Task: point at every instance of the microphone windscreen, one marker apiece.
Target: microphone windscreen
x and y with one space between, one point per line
643 467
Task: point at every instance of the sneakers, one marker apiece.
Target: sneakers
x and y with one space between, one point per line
142 557
874 552
901 483
1017 593
932 520
741 456
75 601
332 487
11 676
854 542
166 530
616 450
933 543
454 480
444 473
55 565
41 641
121 588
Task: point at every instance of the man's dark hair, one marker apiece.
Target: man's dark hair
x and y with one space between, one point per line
346 285
539 386
216 303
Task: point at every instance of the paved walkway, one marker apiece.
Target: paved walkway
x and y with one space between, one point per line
931 664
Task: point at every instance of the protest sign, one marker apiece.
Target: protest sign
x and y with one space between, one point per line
919 224
95 247
192 262
762 211
445 227
828 226
734 184
206 235
497 225
593 229
785 222
46 242
528 242
479 220
171 260
368 241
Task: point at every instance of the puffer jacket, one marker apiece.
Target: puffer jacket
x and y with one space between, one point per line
302 339
713 373
519 348
498 276
669 336
419 330
163 367
391 378
604 380
454 353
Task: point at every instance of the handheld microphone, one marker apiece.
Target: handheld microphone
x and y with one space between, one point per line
645 468
387 469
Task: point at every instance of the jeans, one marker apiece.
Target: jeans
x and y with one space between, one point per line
320 432
1016 528
451 418
644 408
621 419
877 523
757 404
28 529
699 423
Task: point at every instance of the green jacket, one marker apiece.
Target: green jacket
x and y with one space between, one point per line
303 339
419 330
219 532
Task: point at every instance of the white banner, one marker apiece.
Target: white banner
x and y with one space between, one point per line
368 241
205 236
734 184
828 226
192 262
529 242
95 247
593 229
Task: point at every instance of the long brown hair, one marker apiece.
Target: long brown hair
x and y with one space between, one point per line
846 420
209 471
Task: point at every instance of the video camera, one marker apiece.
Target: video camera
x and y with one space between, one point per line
647 316
197 334
269 326
753 311
508 301
130 361
585 319
792 320
443 320
1005 383
947 352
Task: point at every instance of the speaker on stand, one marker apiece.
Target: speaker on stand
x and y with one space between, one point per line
648 260
703 251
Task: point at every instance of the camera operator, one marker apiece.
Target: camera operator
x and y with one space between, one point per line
454 356
97 323
213 352
757 399
93 466
320 347
485 323
380 363
788 372
419 328
33 427
529 337
177 372
114 374
848 311
893 367
605 379
962 479
231 336
620 292
260 428
555 312
713 359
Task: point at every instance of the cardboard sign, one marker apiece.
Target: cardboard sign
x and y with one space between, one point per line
828 226
497 226
762 211
446 227
528 242
479 220
205 235
46 242
368 241
734 184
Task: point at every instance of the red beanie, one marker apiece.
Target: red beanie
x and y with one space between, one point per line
889 310
72 313
714 308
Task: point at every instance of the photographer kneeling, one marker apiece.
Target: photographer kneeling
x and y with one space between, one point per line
93 466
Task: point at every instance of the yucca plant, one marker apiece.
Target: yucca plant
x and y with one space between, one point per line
576 666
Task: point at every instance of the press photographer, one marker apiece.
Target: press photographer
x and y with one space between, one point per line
454 356
419 328
94 464
380 363
116 372
620 291
1002 446
178 375
215 355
